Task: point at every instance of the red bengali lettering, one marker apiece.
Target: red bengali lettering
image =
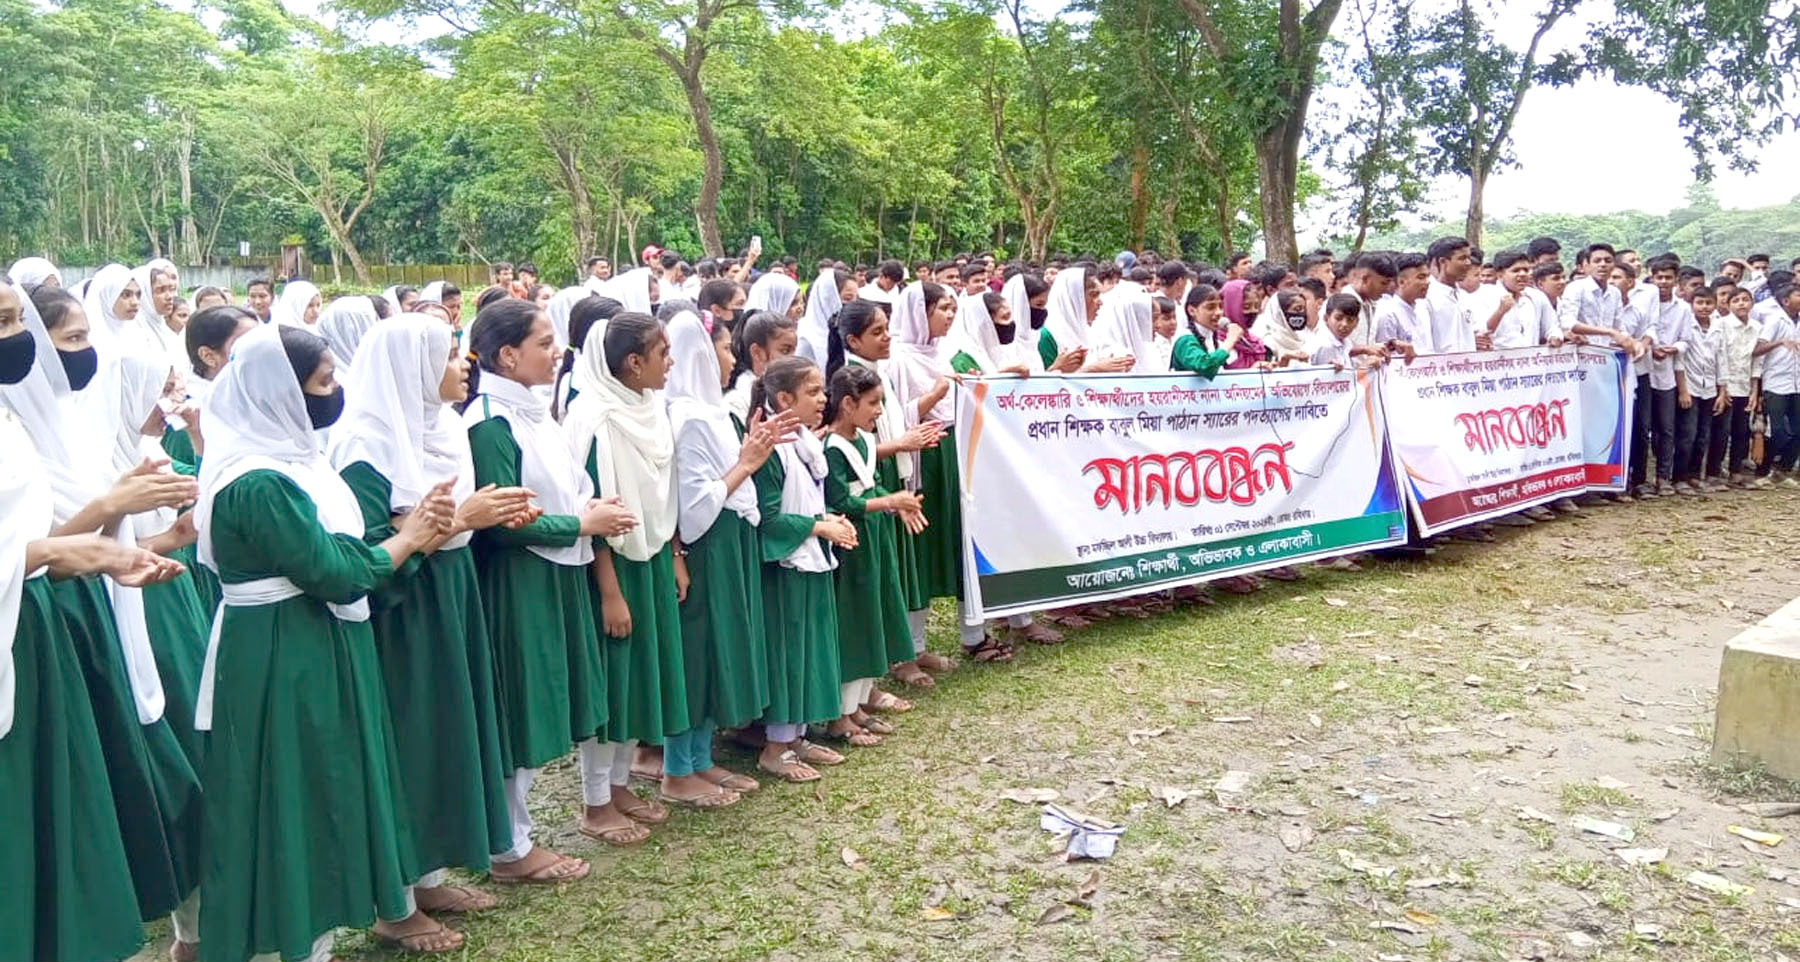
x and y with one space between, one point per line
1522 426
1234 475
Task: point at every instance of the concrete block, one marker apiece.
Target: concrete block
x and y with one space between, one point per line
1758 718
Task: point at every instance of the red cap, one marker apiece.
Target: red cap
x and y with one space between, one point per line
650 250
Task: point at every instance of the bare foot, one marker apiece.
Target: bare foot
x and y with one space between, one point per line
607 824
452 899
540 867
419 933
935 663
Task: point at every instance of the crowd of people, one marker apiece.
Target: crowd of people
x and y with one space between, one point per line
302 596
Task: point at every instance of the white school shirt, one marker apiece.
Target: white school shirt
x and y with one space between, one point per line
1324 347
1672 324
1699 362
1638 319
1780 367
1395 319
1364 334
1734 343
1449 320
1586 301
1520 326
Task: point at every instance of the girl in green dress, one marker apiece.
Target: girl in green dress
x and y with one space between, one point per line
860 338
619 428
397 437
800 606
67 406
69 894
871 608
1063 343
722 628
303 805
534 579
761 338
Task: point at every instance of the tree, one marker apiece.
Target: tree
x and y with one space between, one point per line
1379 151
1267 53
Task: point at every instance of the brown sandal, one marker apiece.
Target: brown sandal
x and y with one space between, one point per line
719 798
813 754
730 780
622 836
461 900
571 869
990 650
639 809
909 673
790 769
434 941
885 703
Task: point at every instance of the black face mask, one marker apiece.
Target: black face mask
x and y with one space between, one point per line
1006 332
1038 316
1297 321
324 410
79 366
17 354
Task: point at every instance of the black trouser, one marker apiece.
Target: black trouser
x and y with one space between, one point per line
1739 433
1663 410
1640 432
1708 447
1690 447
1784 429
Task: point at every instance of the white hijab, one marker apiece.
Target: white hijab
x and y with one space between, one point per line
823 301
560 307
632 289
396 421
433 292
913 363
773 291
74 432
973 333
106 329
343 324
1023 349
1126 327
26 504
1067 307
150 330
29 272
131 385
290 307
545 464
706 442
803 492
392 296
634 447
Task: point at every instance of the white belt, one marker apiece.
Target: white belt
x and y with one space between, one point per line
250 594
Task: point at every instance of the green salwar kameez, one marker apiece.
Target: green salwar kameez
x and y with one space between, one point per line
155 791
646 672
437 669
723 637
937 550
68 895
179 625
800 614
541 620
871 606
305 820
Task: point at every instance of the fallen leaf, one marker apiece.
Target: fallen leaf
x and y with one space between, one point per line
1727 603
1315 721
1665 815
1641 856
850 857
1648 930
1357 863
1337 602
1771 809
1031 796
1056 913
1420 916
1442 730
1580 940
1296 836
1294 811
819 791
1088 887
1340 685
1770 839
937 913
1231 719
1682 731
1436 881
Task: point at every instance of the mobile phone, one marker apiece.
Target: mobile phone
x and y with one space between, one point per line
756 241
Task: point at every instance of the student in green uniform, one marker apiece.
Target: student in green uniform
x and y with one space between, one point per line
761 338
399 437
860 337
1063 343
210 335
722 629
1202 348
583 315
67 405
984 338
799 604
68 895
870 605
303 819
534 578
619 429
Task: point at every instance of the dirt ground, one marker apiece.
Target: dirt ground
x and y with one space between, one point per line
1378 765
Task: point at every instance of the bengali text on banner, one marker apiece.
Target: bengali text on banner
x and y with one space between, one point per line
1081 489
1606 388
1485 434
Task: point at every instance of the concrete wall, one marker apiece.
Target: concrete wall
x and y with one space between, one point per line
1758 718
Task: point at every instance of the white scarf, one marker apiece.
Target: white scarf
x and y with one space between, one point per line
803 493
861 465
561 306
131 386
395 420
1067 307
290 307
823 300
632 289
737 400
545 464
106 329
29 272
75 433
1125 327
892 423
1023 349
973 334
25 501
914 363
149 330
772 292
706 443
633 445
343 324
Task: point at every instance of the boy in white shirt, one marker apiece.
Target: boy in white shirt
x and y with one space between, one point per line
1636 323
1332 342
1740 373
1403 315
1671 327
1701 419
1778 345
1512 313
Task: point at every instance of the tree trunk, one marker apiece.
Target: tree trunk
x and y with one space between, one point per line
1277 169
706 206
184 166
1472 221
1140 186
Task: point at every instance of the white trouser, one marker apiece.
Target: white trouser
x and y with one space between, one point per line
783 734
185 920
429 880
517 787
852 695
915 621
604 766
